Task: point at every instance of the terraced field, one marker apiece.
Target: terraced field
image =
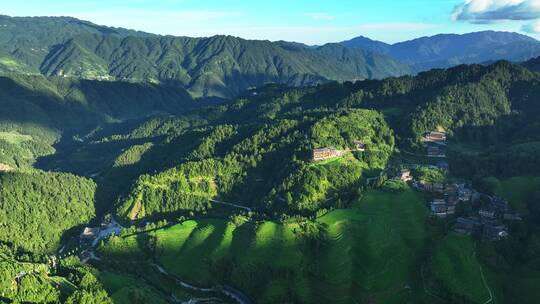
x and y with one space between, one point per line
372 251
455 265
376 248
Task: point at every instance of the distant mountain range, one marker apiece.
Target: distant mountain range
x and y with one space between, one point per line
218 66
533 64
447 50
224 66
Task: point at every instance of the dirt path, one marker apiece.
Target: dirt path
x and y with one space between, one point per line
231 204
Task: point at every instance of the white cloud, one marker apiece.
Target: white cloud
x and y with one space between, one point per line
320 16
482 11
532 28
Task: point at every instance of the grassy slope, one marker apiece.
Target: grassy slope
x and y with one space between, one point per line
454 263
122 288
519 191
372 252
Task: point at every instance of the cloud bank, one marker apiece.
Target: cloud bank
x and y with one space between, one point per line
485 11
531 28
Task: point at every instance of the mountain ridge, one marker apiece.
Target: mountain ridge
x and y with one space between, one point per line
446 50
221 66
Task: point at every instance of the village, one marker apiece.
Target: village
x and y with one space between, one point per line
475 213
478 215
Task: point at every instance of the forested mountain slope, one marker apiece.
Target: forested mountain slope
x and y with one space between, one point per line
38 110
217 66
533 64
447 50
38 207
248 163
494 105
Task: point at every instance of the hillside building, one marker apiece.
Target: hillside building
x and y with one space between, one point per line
499 204
360 146
486 214
435 137
495 232
405 175
466 225
464 193
325 153
439 208
90 233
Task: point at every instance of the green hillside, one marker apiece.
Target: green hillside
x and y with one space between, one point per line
229 159
349 259
39 207
221 66
247 205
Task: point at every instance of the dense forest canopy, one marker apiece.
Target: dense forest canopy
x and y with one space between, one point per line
37 208
222 66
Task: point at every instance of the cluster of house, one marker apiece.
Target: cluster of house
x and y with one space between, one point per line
436 144
489 221
90 236
327 153
450 195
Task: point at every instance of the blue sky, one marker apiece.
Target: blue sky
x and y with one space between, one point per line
308 21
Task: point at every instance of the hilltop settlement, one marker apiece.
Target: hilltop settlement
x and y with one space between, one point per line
472 212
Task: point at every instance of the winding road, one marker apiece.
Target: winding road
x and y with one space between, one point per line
225 290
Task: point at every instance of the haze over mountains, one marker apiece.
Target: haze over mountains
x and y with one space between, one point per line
447 50
224 66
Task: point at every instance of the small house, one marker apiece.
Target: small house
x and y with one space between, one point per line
360 146
495 232
435 137
467 225
405 175
465 194
499 204
438 188
426 186
90 233
487 214
450 190
439 208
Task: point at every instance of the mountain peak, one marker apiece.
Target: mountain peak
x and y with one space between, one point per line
447 50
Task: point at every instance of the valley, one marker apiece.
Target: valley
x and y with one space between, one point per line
140 168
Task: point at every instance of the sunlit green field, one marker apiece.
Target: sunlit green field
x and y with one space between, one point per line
382 249
371 251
